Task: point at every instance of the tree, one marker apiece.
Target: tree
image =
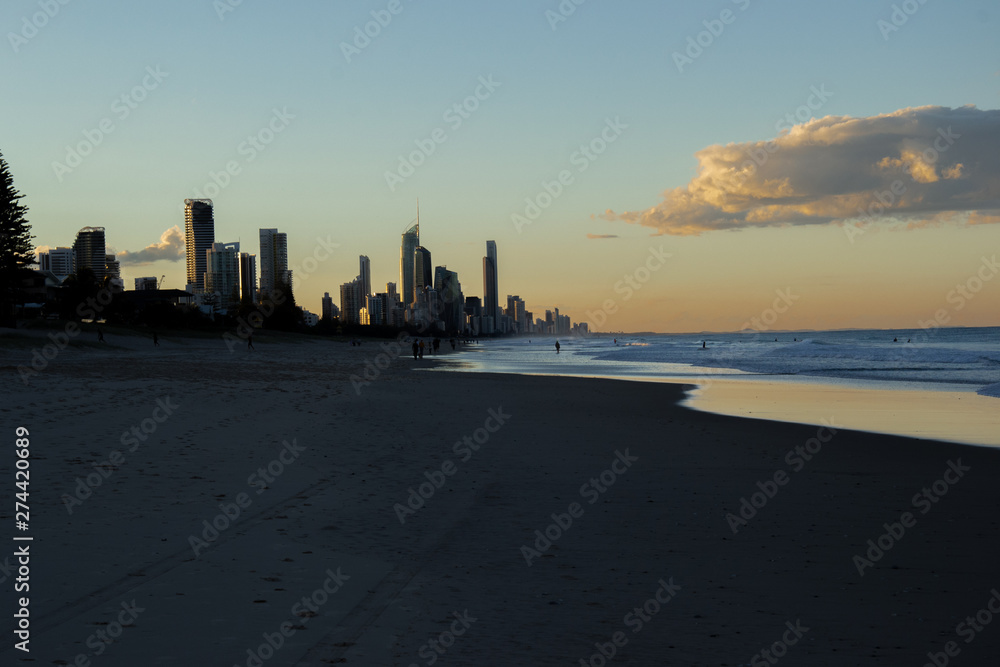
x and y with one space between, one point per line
16 250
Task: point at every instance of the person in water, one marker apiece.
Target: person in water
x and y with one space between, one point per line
557 347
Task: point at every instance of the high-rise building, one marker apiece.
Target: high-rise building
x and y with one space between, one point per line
351 302
375 309
112 267
222 276
411 239
327 307
199 235
60 261
452 300
365 275
515 311
90 252
248 277
423 272
273 261
147 283
491 305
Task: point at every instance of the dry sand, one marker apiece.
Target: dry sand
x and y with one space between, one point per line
356 454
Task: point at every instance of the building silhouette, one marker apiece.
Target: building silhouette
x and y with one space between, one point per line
491 305
365 274
59 261
222 276
423 272
199 235
410 241
248 277
90 252
273 261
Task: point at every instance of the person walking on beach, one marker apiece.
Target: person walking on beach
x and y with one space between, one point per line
437 345
416 348
421 349
250 342
100 335
557 347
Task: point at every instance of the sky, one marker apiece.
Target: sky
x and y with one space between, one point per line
643 165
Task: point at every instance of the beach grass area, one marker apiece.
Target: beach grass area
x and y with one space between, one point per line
321 503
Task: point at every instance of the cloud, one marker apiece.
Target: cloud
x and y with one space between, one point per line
170 248
923 165
602 236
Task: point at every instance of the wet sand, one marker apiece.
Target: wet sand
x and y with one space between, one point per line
651 553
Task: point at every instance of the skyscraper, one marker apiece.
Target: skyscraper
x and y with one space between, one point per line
491 306
248 277
327 307
423 272
222 276
60 261
411 239
89 249
351 302
273 261
366 276
199 235
449 290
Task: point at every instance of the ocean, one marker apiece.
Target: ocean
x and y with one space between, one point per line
938 383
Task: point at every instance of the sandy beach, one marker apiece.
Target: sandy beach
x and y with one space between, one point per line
314 503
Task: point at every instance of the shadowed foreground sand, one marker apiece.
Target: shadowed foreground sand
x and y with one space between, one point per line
452 584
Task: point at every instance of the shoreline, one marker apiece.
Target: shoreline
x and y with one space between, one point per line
658 519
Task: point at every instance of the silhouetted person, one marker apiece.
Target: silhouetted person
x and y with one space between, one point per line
250 342
100 335
156 340
453 343
437 345
422 349
557 347
703 345
416 349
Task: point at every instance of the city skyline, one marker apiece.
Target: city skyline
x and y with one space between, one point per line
757 152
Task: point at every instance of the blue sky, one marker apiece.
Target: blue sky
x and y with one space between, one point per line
323 175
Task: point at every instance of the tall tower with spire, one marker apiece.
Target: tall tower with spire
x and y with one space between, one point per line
411 239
